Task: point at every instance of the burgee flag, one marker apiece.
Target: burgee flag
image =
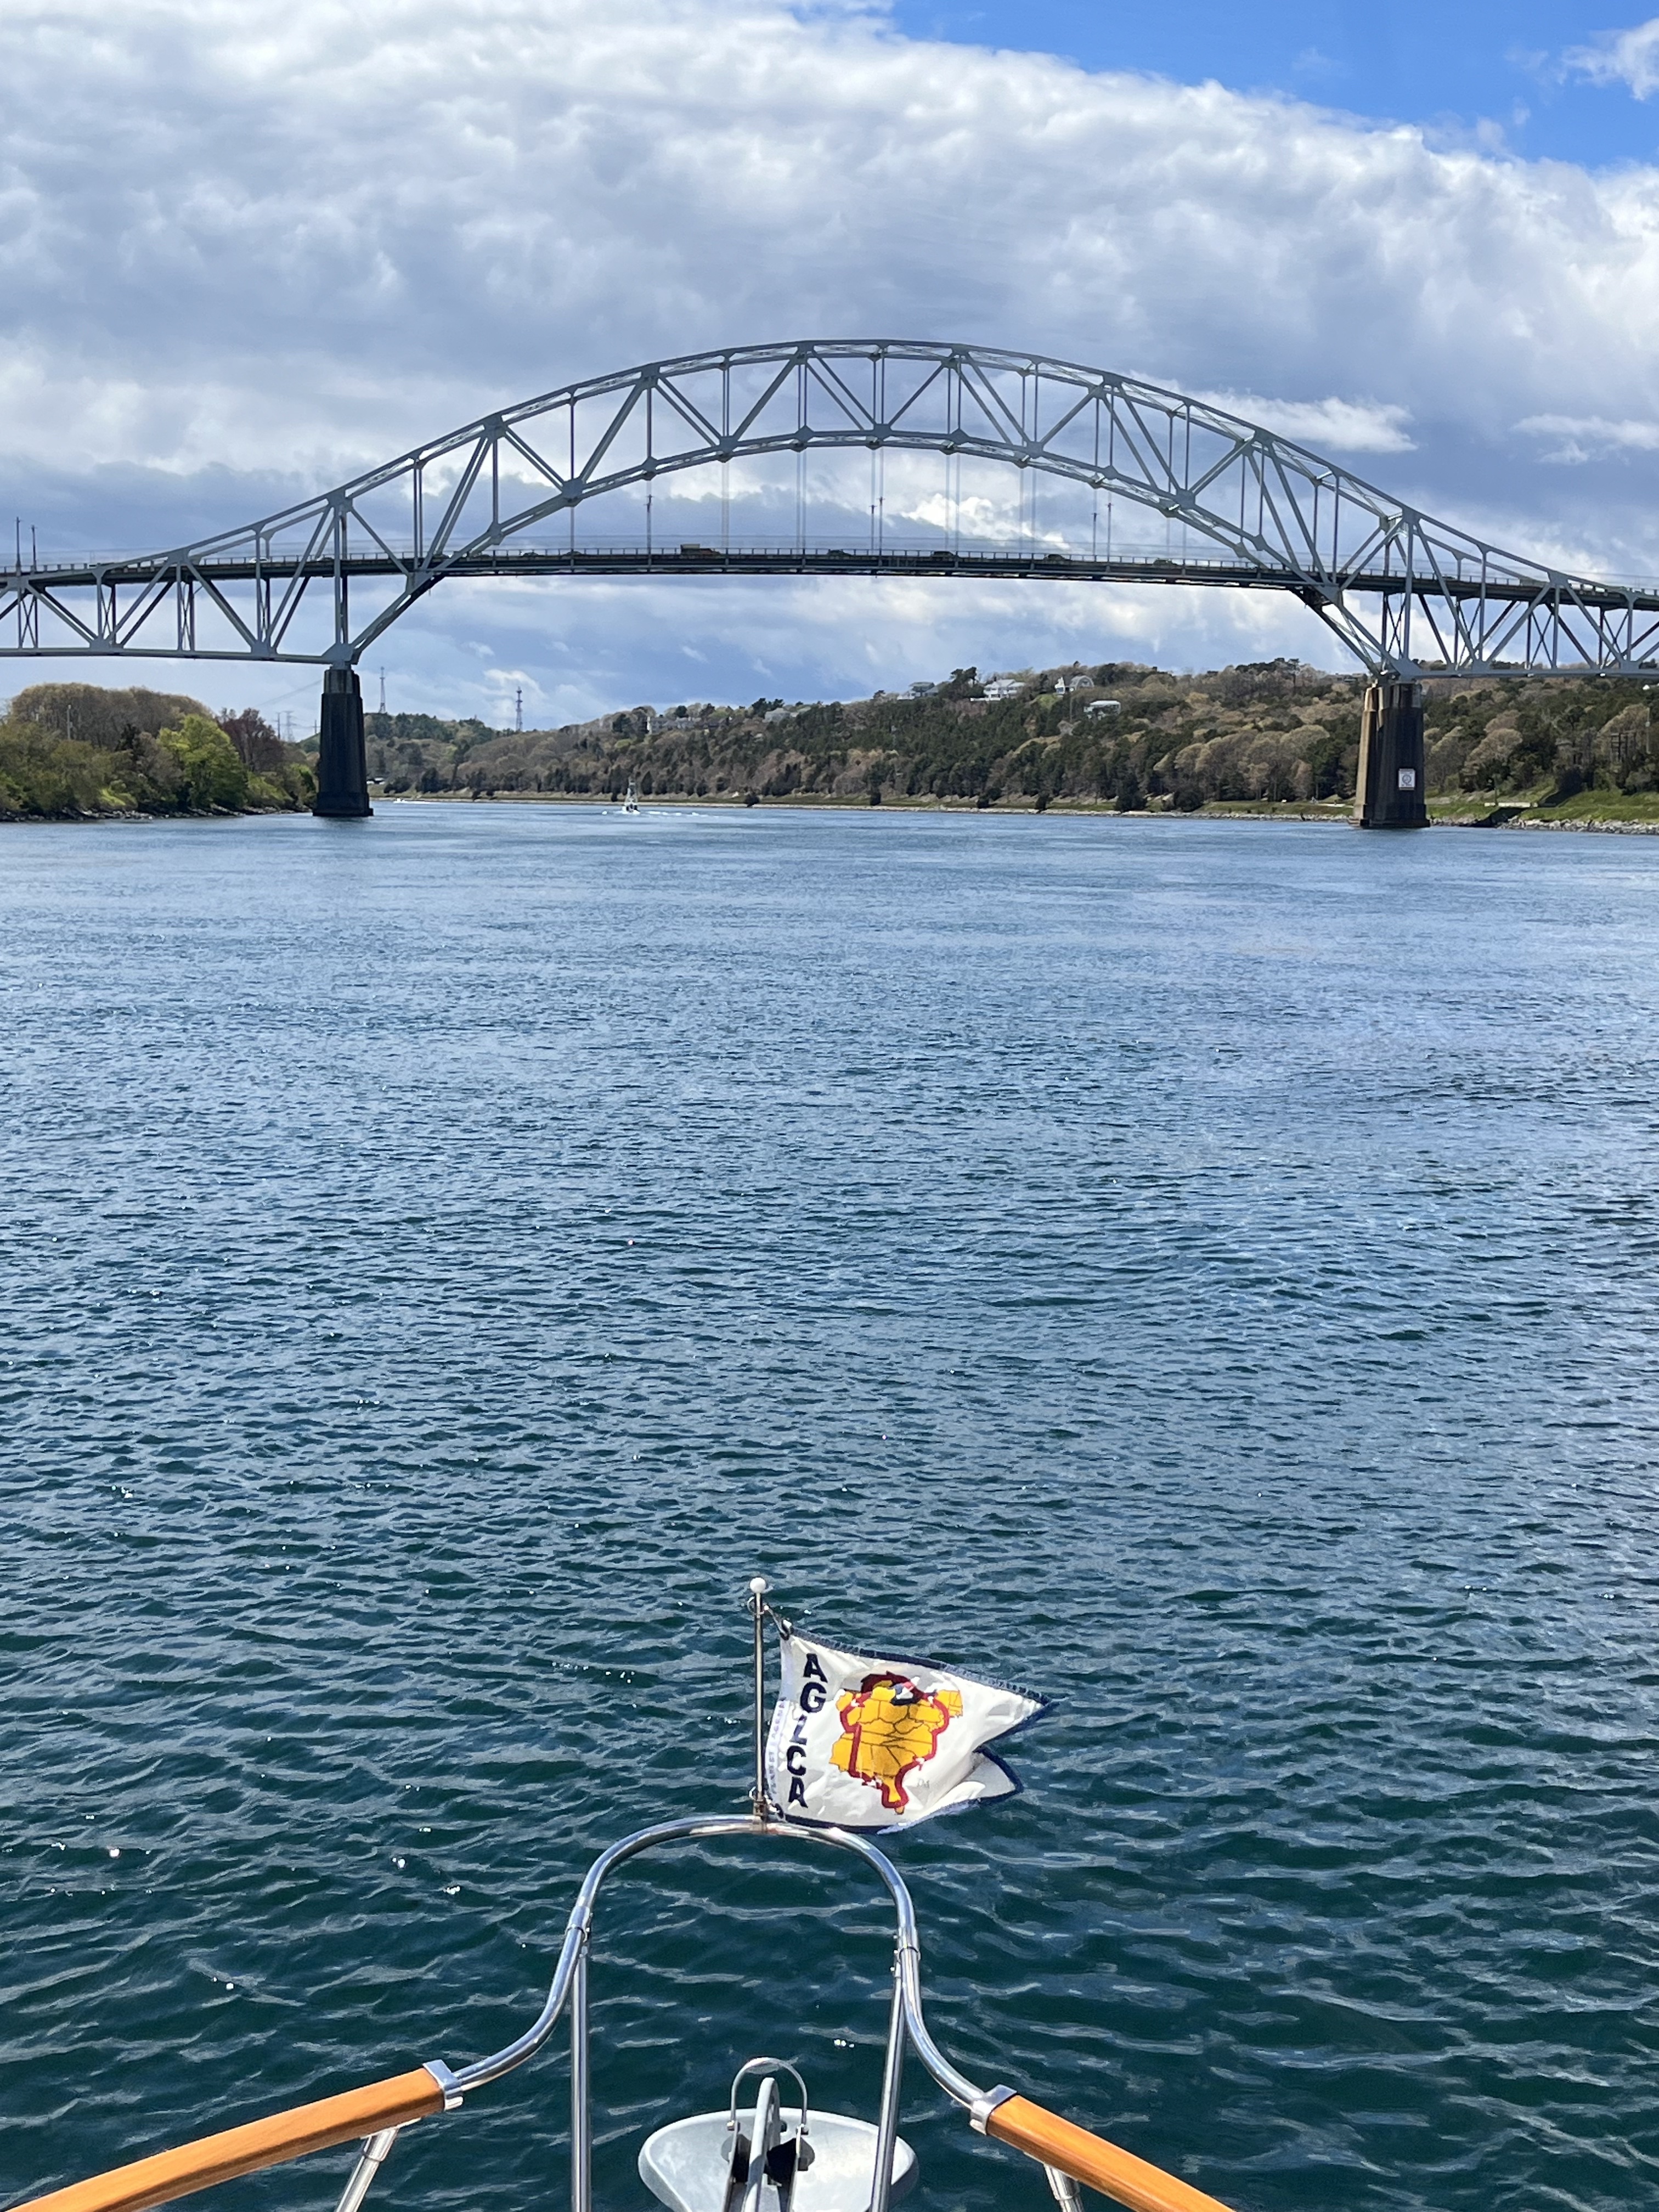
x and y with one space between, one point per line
857 1743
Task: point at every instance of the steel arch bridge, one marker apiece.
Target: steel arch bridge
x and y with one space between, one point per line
320 581
1407 595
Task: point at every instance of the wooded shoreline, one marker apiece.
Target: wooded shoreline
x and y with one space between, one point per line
1276 739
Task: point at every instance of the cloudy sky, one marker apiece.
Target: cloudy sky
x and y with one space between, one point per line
246 253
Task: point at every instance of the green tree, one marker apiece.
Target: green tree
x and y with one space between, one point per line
41 774
212 772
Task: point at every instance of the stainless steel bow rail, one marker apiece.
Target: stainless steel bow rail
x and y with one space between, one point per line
375 2114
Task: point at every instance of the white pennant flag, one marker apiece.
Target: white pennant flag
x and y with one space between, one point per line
857 1743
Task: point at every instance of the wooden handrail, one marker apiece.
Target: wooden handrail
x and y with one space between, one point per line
403 2097
1091 2159
170 2173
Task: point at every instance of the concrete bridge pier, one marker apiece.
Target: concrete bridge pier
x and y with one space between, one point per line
1389 791
342 763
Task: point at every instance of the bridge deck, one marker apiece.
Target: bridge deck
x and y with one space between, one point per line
839 561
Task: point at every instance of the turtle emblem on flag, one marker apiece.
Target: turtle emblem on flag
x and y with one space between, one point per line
860 1741
888 1728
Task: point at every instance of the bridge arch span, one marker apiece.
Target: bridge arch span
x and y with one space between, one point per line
503 496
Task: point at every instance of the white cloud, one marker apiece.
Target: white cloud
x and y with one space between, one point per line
1590 437
239 263
1333 426
1629 57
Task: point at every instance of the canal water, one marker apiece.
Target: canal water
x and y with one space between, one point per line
1208 1273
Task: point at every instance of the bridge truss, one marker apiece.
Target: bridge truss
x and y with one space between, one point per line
559 485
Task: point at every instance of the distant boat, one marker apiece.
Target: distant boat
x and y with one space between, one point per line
631 802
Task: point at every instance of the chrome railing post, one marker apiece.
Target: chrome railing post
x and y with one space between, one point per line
1066 2194
581 2125
892 2087
370 2160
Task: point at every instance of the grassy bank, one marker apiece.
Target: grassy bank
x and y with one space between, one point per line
1598 809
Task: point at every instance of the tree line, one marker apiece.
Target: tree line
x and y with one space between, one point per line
1116 734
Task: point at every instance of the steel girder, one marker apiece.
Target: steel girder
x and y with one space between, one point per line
1408 595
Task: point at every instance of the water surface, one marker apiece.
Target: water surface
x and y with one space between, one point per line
1206 1272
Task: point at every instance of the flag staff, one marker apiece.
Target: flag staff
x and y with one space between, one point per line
757 1605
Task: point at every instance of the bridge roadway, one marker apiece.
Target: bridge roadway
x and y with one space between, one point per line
140 572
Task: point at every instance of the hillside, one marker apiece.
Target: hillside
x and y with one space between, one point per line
1117 735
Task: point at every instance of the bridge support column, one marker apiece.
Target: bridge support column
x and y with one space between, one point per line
342 763
1389 790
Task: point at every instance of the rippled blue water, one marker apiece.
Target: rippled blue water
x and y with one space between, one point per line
1207 1271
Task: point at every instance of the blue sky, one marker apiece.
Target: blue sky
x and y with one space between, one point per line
1455 66
246 254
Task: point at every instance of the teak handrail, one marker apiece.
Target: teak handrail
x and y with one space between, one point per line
404 2097
1092 2160
393 2103
171 2173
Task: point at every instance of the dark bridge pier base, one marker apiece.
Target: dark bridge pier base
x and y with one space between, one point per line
342 763
1389 790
